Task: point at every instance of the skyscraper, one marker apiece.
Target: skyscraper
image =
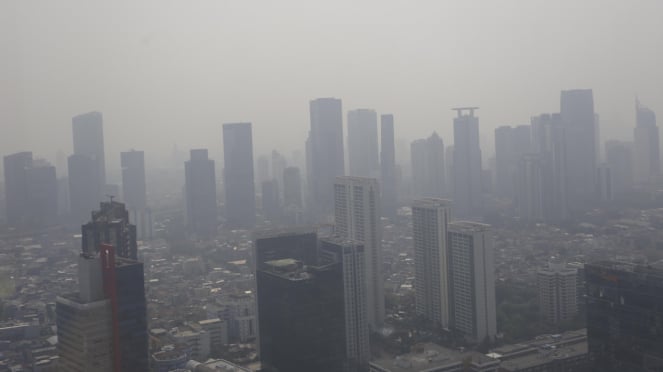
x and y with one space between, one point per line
301 316
578 119
388 166
357 217
472 280
84 188
16 192
134 191
363 143
240 201
103 326
624 312
647 147
511 143
31 190
529 187
548 140
292 187
430 218
110 225
271 201
200 189
468 197
428 170
325 155
619 158
351 256
88 133
557 292
329 263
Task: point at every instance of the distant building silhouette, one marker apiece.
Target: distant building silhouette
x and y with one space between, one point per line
428 168
271 201
134 191
647 146
619 158
511 143
88 134
31 191
580 139
200 189
530 190
325 156
293 207
468 196
357 218
240 200
363 143
388 177
84 187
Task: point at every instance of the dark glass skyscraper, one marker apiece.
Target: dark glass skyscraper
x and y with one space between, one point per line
579 121
624 316
302 316
325 158
238 176
363 143
200 189
388 166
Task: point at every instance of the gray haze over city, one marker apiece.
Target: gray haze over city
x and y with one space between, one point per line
171 72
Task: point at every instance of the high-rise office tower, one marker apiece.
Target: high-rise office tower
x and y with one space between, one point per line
363 143
472 280
510 144
351 256
262 169
292 187
110 225
548 141
529 187
103 327
238 175
293 208
578 120
647 147
88 132
31 190
274 248
325 156
619 158
428 171
604 183
357 217
430 218
557 285
200 189
134 191
388 180
271 201
624 312
301 316
468 197
16 192
84 188
278 166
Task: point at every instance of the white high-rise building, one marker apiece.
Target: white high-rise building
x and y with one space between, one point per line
430 218
472 280
357 217
557 285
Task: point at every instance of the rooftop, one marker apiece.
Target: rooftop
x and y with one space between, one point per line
431 356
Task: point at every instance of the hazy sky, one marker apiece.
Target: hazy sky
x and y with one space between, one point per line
165 72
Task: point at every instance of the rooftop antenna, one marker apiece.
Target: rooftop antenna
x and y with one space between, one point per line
110 197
